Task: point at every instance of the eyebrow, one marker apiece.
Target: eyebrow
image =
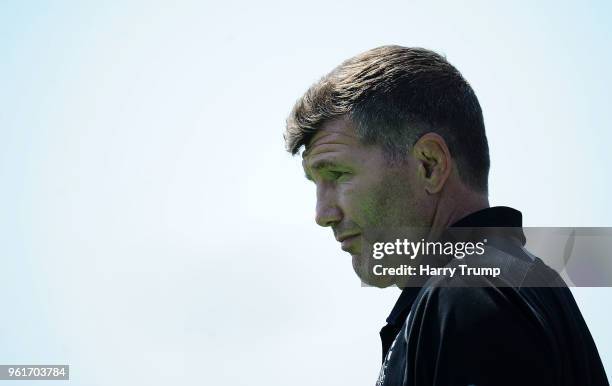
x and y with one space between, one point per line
318 165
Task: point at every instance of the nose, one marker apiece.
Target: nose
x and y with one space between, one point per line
327 212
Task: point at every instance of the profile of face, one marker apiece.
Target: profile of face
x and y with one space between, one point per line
360 191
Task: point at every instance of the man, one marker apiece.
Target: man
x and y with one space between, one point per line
394 140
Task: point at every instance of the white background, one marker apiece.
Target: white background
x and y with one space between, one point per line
152 229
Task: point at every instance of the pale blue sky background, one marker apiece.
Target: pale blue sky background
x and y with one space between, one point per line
154 232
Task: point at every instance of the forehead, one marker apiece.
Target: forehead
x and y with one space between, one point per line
336 136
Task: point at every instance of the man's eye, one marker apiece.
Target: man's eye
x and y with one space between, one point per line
339 175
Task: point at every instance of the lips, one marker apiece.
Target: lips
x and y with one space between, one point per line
345 236
348 242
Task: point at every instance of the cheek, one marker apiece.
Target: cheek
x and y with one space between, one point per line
393 202
362 203
348 198
384 199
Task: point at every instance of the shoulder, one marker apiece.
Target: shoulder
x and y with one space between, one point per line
466 307
476 334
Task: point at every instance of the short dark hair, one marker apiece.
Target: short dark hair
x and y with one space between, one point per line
394 95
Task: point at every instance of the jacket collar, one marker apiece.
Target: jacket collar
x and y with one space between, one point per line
495 217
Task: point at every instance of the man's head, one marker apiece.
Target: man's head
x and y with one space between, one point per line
392 138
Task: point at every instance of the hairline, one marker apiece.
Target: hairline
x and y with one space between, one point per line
391 155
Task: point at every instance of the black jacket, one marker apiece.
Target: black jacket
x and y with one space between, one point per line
482 330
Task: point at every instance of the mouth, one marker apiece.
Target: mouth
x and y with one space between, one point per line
348 242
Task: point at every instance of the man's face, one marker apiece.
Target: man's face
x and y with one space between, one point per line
359 193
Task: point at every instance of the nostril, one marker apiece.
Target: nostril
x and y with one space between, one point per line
328 216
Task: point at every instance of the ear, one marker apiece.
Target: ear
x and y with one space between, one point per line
433 160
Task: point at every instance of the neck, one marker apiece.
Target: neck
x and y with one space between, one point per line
454 206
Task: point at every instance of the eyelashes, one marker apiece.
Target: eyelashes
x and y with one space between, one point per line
331 175
337 175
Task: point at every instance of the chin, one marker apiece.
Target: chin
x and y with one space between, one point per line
364 271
